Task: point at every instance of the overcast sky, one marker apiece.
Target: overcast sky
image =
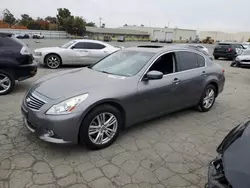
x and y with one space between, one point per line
221 15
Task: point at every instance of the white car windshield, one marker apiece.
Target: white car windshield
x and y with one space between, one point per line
68 44
124 62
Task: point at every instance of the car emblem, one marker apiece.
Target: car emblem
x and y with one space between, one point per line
28 100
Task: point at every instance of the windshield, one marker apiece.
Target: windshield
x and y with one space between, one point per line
123 63
68 44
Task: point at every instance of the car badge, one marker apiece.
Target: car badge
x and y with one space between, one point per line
28 100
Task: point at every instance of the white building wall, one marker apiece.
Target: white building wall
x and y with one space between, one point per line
217 35
177 33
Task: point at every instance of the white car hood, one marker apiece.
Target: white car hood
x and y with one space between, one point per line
243 57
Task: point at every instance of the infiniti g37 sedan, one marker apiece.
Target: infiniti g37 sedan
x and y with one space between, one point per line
76 52
91 105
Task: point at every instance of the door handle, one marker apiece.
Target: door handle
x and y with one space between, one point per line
176 81
204 73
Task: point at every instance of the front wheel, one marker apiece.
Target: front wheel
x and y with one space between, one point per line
101 127
207 99
7 82
53 61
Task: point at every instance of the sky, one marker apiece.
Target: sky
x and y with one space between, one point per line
213 15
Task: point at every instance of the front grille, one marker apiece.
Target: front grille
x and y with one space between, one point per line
34 102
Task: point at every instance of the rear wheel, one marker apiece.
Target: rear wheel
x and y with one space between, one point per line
7 82
53 61
207 99
101 127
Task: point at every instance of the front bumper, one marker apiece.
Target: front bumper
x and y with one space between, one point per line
216 177
60 129
241 63
26 71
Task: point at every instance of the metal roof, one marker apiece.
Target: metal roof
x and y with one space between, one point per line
115 31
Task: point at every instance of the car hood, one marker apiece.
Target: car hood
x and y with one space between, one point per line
49 49
243 57
71 83
235 152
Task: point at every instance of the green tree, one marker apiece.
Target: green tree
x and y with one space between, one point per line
25 20
91 24
8 17
34 25
63 15
79 25
249 40
51 20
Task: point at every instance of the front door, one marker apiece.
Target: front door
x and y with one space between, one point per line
156 97
80 53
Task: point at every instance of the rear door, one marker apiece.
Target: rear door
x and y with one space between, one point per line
192 76
96 51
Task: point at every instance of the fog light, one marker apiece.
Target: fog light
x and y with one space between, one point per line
49 133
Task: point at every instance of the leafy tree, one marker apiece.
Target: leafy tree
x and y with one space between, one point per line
91 24
51 20
34 25
249 40
79 25
25 20
8 17
62 15
103 25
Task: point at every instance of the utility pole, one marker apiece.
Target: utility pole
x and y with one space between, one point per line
100 19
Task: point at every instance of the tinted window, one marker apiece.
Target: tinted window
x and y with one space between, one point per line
238 46
79 45
187 60
223 45
200 60
93 46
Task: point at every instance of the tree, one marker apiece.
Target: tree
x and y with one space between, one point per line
79 25
34 25
25 20
8 17
103 25
51 20
249 40
91 24
63 14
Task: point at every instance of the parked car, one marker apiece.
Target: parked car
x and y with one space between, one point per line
231 167
227 50
242 60
16 62
22 36
91 105
246 45
82 52
38 36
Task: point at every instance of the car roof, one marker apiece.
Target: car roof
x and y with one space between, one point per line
159 48
5 34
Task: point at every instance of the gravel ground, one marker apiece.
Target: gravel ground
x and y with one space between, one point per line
172 151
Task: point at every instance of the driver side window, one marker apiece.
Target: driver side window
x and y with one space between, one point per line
165 64
79 45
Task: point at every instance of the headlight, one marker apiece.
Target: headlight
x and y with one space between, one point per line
67 106
38 53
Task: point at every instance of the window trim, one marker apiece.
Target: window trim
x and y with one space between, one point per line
171 51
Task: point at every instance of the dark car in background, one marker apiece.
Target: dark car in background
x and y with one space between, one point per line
127 87
231 168
228 50
16 62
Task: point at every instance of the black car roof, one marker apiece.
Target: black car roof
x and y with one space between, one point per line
5 34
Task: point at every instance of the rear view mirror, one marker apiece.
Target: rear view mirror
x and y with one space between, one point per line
154 75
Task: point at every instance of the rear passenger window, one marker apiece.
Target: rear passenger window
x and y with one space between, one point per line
200 60
187 60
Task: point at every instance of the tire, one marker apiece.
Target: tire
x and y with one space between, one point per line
201 106
10 82
216 57
90 119
52 61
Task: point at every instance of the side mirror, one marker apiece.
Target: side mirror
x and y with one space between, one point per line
153 75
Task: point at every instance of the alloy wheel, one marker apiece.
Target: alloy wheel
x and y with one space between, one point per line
103 128
53 62
209 98
5 83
